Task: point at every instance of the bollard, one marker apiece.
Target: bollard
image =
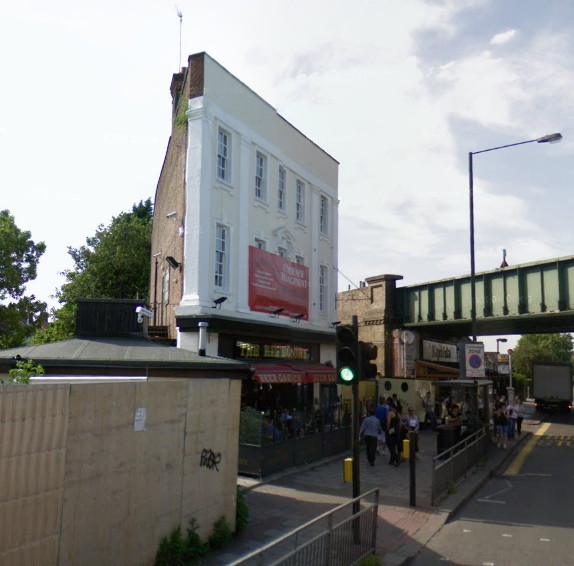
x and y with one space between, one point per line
406 449
348 469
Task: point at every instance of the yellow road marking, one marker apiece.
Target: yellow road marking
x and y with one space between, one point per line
517 463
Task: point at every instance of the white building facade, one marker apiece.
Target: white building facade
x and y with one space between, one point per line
247 206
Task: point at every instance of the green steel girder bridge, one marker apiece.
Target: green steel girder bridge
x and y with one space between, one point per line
530 298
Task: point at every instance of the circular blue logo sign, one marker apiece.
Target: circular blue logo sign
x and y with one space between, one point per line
474 361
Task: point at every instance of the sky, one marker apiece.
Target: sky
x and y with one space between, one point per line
398 91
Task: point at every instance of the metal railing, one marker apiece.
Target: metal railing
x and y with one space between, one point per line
455 462
340 537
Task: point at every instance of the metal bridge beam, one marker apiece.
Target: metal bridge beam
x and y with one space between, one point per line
527 298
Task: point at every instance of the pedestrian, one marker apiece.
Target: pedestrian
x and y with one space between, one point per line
397 404
394 429
381 413
428 405
370 430
501 425
518 413
412 424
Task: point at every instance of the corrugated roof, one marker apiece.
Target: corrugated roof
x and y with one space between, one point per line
117 352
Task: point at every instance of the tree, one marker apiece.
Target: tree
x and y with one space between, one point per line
114 264
536 348
23 371
20 315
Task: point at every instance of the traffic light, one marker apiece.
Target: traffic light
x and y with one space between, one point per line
347 354
367 352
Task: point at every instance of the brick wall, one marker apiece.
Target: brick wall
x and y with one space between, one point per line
374 305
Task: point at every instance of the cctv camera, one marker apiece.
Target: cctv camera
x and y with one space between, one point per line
170 215
142 311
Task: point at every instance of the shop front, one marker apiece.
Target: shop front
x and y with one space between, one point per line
291 414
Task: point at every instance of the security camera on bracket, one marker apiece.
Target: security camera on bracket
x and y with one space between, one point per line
141 312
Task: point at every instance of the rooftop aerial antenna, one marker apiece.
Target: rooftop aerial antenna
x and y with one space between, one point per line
180 16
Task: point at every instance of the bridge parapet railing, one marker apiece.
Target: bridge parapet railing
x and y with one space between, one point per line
454 463
340 537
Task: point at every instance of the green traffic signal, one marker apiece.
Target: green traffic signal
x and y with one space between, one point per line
346 374
347 354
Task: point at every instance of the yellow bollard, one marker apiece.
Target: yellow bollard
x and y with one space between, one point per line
406 449
348 469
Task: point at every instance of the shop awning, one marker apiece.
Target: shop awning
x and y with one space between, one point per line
317 373
276 373
435 371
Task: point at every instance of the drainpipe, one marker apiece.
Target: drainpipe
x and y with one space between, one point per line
202 341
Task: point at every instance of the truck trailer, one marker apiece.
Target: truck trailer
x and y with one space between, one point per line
552 385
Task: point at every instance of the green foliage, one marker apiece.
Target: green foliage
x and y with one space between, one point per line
241 513
175 550
23 371
538 348
171 550
221 535
114 264
20 315
61 328
180 119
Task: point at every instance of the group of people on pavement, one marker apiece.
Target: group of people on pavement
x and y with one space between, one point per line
506 418
386 427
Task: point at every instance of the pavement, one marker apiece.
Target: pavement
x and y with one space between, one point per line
281 503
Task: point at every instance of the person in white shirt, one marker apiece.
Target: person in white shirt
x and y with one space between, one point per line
412 424
370 431
516 416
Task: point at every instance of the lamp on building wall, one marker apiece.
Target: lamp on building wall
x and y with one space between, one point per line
172 262
336 323
550 138
298 317
217 302
277 312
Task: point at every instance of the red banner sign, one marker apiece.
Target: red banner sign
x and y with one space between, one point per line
276 283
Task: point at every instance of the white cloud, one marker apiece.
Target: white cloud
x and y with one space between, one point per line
503 37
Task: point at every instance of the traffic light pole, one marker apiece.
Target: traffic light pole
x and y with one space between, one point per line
355 432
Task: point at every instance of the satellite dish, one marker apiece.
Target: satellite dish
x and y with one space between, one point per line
407 337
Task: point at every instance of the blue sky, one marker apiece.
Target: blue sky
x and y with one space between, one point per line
398 91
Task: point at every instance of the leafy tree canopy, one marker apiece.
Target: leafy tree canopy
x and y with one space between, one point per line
536 348
114 264
20 315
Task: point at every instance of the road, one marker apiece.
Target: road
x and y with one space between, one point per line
524 517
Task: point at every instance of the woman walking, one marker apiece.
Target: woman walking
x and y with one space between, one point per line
501 425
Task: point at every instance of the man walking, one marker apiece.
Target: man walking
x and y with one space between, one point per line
370 430
428 405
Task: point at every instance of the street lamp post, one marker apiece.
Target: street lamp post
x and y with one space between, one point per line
498 341
550 138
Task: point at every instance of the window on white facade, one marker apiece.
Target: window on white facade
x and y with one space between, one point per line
260 176
300 201
282 252
324 215
221 256
223 155
300 260
323 288
281 191
260 244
